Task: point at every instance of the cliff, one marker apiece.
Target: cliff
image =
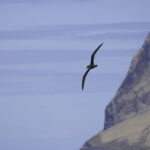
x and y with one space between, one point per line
127 116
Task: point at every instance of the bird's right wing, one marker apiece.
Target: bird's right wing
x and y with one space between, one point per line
92 57
84 76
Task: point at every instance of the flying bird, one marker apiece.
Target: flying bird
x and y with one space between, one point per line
91 66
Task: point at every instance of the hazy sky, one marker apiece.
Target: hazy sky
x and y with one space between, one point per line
45 46
26 13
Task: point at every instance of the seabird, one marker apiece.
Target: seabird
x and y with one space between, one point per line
91 66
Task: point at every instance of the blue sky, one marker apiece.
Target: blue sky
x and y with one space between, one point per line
45 46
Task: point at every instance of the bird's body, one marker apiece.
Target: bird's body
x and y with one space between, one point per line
91 66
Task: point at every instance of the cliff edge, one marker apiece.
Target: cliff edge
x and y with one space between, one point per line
127 116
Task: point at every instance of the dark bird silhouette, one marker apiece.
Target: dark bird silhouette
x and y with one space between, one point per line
91 66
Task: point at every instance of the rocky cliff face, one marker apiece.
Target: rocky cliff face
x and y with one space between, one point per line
127 116
133 95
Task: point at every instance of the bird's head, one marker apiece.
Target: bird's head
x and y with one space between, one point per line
95 66
87 67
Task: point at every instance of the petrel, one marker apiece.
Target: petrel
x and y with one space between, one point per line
91 66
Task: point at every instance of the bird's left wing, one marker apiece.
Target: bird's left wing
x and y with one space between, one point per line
92 57
84 76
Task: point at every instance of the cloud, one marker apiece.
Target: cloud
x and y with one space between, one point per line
57 134
115 35
106 27
24 1
38 1
85 31
46 1
7 137
28 34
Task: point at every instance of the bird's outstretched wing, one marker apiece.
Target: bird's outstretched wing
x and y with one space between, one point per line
92 56
84 76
